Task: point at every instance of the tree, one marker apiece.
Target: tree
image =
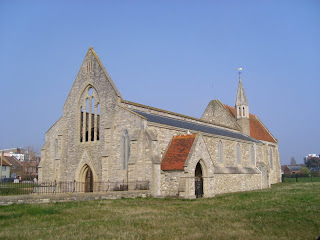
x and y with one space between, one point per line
313 162
304 171
293 161
31 163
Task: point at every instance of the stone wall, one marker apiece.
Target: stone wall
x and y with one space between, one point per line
225 183
69 197
170 181
217 114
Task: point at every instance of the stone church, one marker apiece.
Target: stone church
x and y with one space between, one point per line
102 138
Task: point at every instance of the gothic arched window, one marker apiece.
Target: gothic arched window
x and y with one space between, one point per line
220 152
252 155
55 148
89 115
271 161
125 149
238 154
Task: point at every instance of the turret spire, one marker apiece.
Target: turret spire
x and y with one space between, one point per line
242 107
241 98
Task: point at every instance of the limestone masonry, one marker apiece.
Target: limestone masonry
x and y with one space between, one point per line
102 138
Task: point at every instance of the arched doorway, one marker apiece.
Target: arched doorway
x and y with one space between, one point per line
88 185
198 181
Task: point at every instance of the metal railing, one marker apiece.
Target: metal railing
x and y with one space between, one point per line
299 178
23 188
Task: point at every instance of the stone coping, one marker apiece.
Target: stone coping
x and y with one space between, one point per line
69 197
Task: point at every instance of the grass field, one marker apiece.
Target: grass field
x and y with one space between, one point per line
286 211
7 189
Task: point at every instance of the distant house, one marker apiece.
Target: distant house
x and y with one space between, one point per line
6 168
19 153
289 169
16 166
24 163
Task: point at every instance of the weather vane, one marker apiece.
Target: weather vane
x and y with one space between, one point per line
240 70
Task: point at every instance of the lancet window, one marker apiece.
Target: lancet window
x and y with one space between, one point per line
252 155
125 149
89 115
220 152
238 154
55 148
271 160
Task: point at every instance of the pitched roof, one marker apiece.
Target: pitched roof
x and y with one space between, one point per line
177 152
14 161
192 126
294 168
5 162
257 129
105 71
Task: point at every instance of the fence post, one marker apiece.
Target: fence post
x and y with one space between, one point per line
296 177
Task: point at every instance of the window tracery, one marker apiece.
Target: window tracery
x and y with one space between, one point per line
89 115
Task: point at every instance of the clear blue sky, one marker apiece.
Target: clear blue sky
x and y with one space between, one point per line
174 55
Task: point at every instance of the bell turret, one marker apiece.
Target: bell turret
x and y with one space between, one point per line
242 108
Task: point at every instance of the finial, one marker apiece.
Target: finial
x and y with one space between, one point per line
240 71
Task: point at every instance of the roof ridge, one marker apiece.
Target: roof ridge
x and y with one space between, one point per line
174 113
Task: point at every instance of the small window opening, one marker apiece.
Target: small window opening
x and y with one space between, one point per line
271 160
238 154
87 119
90 91
126 149
81 124
252 155
98 121
220 152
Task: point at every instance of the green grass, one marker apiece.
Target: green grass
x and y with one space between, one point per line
286 211
7 189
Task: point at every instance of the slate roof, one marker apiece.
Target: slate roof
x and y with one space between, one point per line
294 168
192 126
177 152
257 129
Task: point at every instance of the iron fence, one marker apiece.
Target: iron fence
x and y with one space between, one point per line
299 178
29 187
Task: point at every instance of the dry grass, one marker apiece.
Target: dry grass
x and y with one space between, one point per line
287 211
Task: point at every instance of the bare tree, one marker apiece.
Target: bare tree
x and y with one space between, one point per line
30 164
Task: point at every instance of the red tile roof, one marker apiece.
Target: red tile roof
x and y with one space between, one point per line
5 162
177 152
257 129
